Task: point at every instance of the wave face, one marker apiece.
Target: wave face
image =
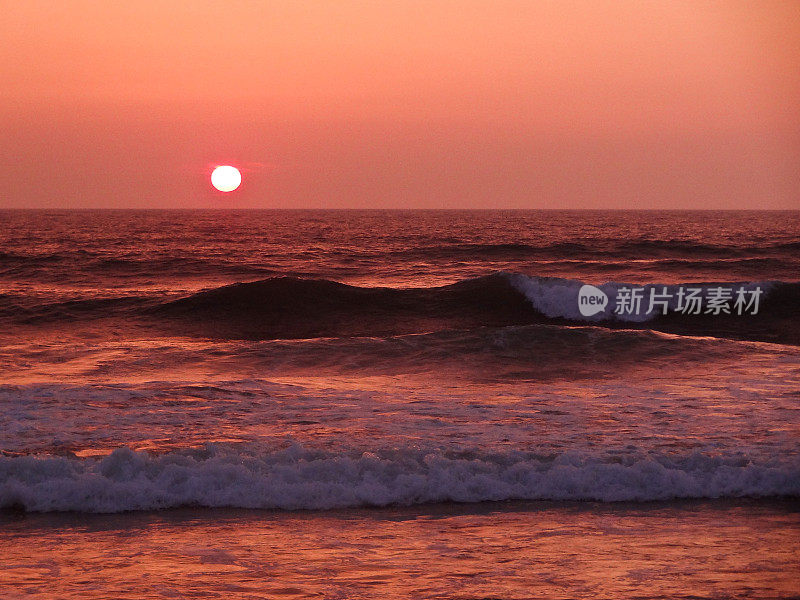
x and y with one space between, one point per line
296 308
297 478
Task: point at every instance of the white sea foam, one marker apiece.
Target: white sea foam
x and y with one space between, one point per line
299 478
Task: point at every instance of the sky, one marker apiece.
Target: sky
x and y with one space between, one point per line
401 104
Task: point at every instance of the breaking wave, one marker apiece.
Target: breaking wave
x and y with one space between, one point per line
297 308
299 478
306 308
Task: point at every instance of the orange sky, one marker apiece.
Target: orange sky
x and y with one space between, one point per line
529 104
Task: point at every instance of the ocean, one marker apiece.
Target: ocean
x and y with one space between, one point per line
399 404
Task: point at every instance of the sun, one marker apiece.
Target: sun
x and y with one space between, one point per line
226 178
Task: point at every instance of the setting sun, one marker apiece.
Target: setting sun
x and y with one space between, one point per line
226 178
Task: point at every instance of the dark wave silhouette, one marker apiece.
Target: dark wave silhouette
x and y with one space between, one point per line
296 308
304 308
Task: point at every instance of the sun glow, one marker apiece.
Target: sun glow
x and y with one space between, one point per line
226 178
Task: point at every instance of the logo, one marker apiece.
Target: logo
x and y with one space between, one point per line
650 301
591 300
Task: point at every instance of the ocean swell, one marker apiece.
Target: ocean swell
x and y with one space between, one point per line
298 308
291 308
